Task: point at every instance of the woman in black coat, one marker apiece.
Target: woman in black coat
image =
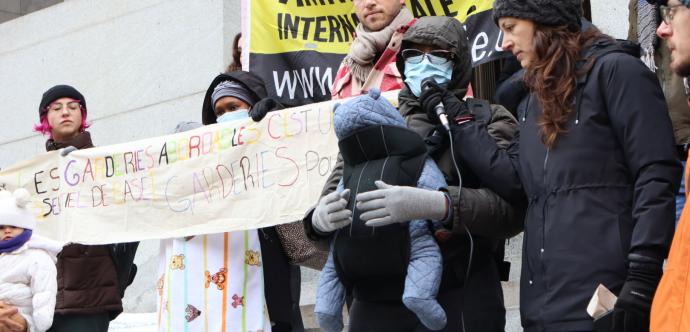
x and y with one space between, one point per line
595 160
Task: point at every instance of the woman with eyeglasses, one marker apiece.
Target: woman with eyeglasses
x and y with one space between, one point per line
595 159
470 292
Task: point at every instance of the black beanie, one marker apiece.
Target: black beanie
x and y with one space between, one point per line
544 12
57 92
685 3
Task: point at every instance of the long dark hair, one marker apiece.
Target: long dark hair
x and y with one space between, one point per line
236 55
553 75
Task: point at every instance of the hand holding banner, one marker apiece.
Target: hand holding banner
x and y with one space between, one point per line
218 178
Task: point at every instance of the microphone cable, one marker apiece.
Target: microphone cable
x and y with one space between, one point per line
469 234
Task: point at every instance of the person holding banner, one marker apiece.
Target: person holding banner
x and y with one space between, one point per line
595 159
91 278
198 276
370 62
230 97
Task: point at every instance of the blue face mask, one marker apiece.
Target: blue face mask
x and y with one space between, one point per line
241 113
415 73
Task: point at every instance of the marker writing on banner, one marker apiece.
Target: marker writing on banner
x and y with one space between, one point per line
122 178
247 173
284 125
41 176
104 194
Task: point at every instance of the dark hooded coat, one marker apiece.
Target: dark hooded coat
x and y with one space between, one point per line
604 192
489 217
249 81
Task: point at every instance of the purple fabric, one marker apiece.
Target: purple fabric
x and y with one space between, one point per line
15 243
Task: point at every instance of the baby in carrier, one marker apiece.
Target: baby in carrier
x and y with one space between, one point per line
381 263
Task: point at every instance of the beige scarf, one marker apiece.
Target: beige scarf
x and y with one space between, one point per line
363 50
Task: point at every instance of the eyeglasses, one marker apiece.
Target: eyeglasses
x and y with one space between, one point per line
667 13
71 106
437 57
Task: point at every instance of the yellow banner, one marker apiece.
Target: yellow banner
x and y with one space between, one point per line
327 26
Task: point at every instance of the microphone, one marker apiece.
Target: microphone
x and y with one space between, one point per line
439 108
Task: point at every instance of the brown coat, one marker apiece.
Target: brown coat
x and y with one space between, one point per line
86 276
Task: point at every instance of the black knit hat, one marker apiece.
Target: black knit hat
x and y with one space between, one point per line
685 3
545 12
57 92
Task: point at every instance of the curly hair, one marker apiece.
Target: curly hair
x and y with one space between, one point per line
553 75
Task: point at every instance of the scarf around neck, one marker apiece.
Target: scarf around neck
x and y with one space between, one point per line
81 141
15 243
367 44
646 31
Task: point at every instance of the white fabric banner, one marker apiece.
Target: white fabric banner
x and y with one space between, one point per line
218 178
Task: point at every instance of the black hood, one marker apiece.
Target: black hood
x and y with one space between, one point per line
248 80
608 44
446 33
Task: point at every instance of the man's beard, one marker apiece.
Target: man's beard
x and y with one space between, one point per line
683 68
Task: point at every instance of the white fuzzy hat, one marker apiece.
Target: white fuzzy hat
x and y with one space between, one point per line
14 209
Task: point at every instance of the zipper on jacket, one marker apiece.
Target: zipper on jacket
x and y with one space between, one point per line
525 239
578 105
524 114
543 212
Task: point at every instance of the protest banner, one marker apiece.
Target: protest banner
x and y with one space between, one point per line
218 178
296 46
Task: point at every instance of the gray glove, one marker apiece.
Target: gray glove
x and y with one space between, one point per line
394 204
331 213
67 150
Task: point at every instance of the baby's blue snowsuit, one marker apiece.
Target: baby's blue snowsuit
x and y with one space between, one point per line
425 265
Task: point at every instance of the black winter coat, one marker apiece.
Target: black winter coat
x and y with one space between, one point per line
604 191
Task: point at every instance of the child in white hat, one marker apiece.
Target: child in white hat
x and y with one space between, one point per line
27 274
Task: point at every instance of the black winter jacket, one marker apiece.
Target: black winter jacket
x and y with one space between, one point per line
604 191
